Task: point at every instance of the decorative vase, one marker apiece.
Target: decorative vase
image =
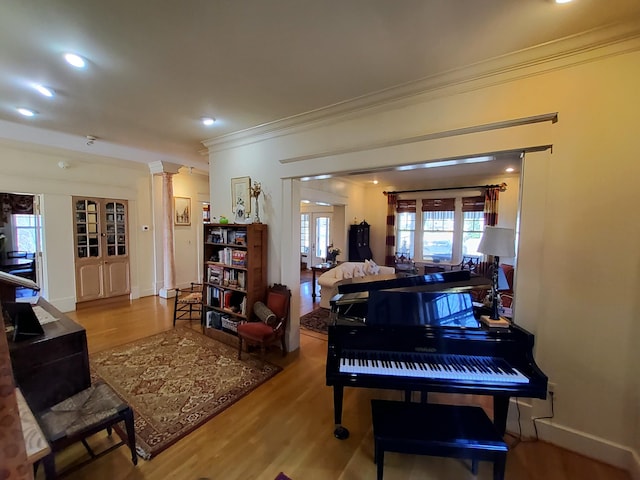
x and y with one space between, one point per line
256 219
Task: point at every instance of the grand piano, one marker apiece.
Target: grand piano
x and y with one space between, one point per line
421 333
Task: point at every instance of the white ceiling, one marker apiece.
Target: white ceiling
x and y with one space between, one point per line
156 66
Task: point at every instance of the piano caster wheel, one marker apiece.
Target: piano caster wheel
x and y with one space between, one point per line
341 433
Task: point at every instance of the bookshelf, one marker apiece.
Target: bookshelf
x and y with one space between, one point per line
235 276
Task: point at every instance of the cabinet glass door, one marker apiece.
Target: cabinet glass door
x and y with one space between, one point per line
116 228
87 233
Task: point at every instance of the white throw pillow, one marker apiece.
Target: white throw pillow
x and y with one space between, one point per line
374 268
347 274
358 270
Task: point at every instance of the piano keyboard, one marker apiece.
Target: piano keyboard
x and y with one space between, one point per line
432 366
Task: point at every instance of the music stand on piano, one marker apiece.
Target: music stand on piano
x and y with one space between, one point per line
9 283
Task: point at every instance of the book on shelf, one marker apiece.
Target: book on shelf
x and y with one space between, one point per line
239 258
240 238
242 282
216 274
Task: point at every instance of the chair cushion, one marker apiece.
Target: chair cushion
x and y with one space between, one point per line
195 297
82 411
256 331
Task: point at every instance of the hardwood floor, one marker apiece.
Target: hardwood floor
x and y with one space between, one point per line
286 425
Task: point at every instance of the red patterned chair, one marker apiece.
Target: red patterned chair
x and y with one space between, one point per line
484 270
270 322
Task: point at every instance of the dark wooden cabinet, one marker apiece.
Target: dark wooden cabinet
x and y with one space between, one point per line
359 249
54 366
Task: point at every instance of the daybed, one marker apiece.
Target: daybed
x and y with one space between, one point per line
330 278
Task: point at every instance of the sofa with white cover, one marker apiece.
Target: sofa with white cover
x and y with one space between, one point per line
329 279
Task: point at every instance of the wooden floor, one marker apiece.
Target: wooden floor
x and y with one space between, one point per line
286 425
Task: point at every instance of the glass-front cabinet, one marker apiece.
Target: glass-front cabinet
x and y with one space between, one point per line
101 248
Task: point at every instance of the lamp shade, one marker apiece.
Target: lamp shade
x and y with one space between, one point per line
498 241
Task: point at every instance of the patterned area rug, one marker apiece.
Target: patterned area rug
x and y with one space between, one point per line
316 321
175 381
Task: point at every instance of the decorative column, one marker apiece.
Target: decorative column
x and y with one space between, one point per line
167 235
166 170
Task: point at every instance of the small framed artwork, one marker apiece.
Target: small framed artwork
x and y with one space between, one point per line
240 194
182 210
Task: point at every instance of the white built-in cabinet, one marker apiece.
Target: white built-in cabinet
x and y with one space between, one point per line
101 248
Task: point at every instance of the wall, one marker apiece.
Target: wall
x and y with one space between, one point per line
34 170
574 225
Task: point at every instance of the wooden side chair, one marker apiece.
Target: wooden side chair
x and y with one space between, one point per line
270 322
188 303
78 417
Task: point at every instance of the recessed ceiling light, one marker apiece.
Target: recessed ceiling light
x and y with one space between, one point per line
26 112
75 60
47 92
375 182
208 121
563 1
509 169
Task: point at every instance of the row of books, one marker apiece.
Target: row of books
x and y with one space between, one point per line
230 256
231 300
220 320
218 275
227 235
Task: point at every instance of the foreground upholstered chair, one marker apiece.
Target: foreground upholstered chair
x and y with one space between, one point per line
188 303
270 321
80 416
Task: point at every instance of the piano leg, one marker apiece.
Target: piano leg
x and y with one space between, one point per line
500 411
341 433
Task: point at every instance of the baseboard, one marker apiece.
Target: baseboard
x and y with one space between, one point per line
600 449
63 304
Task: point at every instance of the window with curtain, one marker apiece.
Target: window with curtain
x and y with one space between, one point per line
304 233
472 224
406 228
438 225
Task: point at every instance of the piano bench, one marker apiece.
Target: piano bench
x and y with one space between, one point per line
440 430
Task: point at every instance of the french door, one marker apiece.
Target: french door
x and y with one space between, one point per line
320 235
101 248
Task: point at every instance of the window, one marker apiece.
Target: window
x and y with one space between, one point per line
447 230
24 233
405 232
472 224
304 233
438 222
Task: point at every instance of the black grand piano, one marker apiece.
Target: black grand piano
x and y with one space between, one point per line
421 333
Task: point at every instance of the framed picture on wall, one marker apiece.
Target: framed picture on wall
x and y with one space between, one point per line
240 194
182 210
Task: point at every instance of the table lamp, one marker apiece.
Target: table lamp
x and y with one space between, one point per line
499 242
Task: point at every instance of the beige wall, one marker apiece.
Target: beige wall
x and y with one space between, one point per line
579 262
33 169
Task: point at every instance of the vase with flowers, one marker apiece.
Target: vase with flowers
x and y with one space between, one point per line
332 254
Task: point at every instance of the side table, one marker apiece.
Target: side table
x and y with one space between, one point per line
321 267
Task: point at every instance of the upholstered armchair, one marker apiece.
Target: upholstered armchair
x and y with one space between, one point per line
269 323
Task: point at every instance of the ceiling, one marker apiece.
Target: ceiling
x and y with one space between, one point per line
155 67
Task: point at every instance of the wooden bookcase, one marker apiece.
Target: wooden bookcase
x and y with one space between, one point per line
235 275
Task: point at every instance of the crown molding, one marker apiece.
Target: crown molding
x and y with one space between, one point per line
588 46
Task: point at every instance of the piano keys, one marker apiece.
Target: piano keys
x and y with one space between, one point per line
426 347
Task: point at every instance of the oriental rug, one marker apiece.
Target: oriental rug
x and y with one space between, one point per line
175 381
316 321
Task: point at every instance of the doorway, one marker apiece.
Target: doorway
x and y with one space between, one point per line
321 224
